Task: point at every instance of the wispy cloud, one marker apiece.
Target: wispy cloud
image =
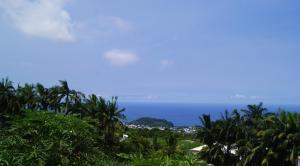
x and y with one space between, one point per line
101 26
166 63
117 57
151 97
256 97
238 96
246 97
117 22
40 18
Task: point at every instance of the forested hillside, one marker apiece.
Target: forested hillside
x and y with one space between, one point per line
152 122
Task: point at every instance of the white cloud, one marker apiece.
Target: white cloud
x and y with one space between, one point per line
118 57
102 26
238 96
256 97
166 63
118 22
151 97
39 18
138 97
244 97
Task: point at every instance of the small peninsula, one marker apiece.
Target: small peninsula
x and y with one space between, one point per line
152 122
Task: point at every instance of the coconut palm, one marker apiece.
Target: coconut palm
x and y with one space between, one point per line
43 97
282 139
8 101
65 92
111 117
220 137
54 99
27 96
92 105
275 143
205 133
68 96
254 111
76 104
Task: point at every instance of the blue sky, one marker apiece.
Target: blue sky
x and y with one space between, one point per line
234 51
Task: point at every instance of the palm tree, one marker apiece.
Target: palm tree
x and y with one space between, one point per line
27 96
275 142
68 96
205 132
111 117
43 97
76 103
8 101
283 138
209 135
253 116
54 99
254 111
65 93
92 105
222 138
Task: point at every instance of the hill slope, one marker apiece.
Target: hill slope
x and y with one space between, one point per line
152 122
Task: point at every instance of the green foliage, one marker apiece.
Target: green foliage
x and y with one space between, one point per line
41 138
187 144
110 120
253 138
188 160
152 122
9 103
171 144
60 126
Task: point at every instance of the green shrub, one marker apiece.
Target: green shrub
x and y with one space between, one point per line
167 161
42 138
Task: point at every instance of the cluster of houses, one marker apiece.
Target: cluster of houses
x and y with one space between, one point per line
186 130
132 126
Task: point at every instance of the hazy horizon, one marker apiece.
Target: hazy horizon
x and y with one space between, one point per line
187 114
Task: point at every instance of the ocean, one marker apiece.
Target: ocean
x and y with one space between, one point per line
186 114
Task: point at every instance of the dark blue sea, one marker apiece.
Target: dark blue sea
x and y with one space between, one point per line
187 114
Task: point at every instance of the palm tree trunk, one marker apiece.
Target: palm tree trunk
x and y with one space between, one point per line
67 104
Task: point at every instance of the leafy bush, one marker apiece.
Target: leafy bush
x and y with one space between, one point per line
188 160
42 138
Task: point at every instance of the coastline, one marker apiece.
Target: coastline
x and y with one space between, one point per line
187 114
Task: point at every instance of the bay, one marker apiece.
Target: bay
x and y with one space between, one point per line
187 114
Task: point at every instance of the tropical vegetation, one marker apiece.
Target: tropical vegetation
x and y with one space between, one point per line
251 136
61 126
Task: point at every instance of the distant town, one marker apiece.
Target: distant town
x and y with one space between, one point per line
161 124
181 129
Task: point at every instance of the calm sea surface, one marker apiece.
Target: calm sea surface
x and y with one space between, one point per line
186 114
